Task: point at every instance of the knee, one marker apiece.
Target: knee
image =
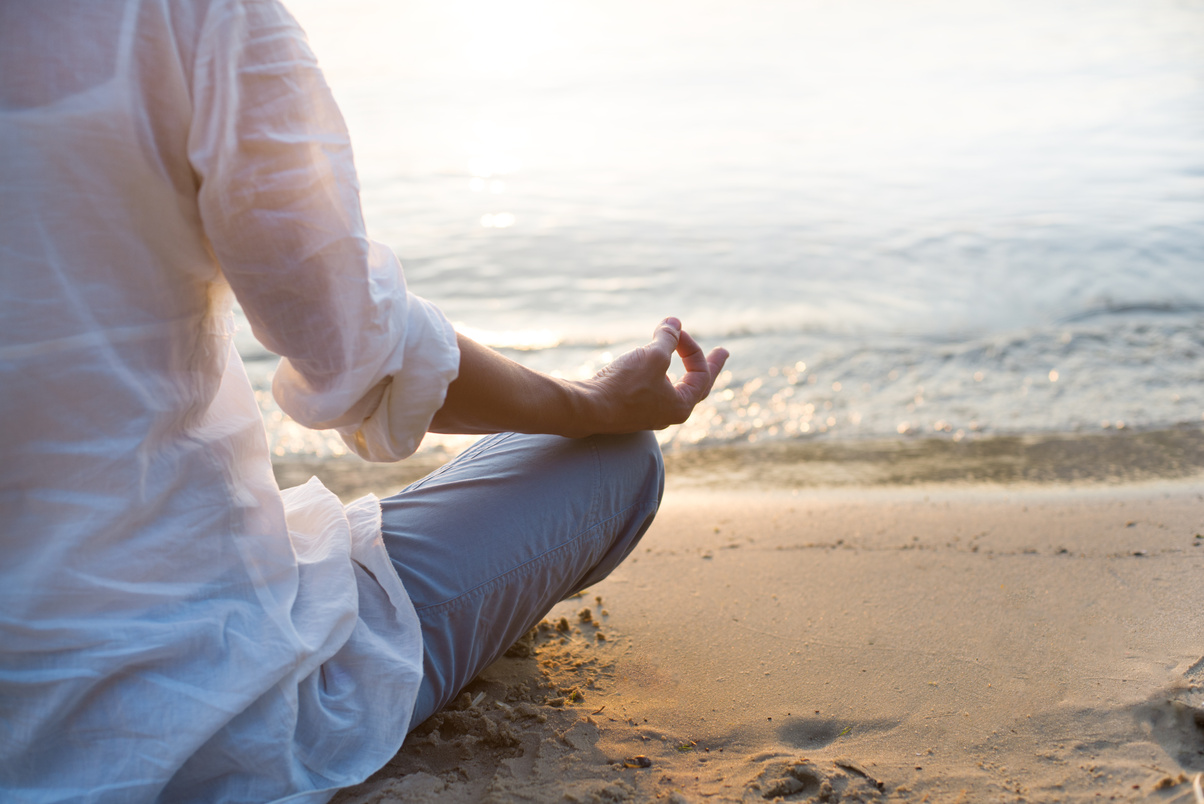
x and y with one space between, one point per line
635 460
632 482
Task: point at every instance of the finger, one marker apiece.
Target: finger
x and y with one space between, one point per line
695 385
665 337
691 353
715 361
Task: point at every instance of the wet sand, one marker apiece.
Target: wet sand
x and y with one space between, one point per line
1108 457
918 642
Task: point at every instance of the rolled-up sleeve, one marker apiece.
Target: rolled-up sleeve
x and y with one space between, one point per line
279 202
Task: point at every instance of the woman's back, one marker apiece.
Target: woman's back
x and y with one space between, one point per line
156 631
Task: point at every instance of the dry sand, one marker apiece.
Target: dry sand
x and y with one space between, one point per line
980 643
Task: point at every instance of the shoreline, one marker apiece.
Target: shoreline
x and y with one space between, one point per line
1109 458
1045 459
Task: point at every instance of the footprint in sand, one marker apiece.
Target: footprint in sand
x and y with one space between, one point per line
813 733
810 734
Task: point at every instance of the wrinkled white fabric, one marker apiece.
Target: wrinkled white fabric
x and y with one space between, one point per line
172 626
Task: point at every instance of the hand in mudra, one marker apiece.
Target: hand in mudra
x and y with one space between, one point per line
634 391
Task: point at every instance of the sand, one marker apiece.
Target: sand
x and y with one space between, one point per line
936 643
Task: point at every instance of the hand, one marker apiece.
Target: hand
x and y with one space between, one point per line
633 392
493 394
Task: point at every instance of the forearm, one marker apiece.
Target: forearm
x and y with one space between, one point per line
493 394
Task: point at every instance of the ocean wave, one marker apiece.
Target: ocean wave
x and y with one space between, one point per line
1155 308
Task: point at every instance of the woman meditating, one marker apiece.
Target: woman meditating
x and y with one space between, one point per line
173 626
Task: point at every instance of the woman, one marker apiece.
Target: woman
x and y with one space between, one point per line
173 626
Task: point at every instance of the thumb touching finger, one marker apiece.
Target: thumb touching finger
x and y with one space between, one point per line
666 336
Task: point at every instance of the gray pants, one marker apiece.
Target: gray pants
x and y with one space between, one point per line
487 544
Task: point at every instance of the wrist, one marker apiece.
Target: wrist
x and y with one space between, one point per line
586 409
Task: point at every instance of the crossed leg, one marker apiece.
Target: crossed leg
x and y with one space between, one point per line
487 544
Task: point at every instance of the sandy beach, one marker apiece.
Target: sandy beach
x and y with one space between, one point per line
919 642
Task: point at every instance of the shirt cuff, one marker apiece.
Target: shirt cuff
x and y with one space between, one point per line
412 396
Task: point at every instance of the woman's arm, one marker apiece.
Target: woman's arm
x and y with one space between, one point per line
494 394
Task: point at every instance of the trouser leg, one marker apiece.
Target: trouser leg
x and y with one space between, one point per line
486 545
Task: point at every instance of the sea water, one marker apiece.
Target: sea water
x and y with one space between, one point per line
902 217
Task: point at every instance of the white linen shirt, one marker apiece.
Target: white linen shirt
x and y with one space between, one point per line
172 626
